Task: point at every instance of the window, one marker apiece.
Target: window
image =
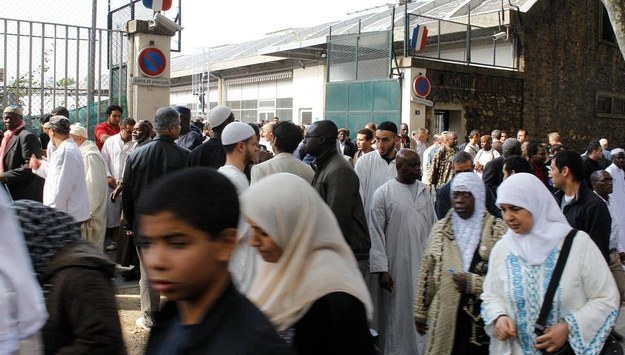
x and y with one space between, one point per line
305 116
606 31
610 104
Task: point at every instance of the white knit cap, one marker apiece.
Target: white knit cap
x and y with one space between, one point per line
218 115
78 130
236 132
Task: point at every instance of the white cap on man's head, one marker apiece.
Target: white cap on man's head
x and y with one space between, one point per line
236 132
218 115
78 130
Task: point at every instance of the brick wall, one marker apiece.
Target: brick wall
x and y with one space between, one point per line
565 65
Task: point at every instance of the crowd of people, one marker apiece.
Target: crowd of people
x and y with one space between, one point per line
274 238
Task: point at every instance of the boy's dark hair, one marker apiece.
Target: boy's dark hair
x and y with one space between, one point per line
185 192
367 132
112 108
230 147
572 161
517 164
287 135
60 111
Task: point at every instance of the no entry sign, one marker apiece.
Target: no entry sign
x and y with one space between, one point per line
421 86
152 61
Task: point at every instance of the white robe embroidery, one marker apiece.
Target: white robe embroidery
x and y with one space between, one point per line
587 297
399 229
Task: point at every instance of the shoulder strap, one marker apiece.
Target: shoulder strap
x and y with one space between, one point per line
555 280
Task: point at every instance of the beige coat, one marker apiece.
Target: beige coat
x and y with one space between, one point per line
437 299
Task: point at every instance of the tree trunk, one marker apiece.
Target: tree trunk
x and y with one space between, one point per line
616 12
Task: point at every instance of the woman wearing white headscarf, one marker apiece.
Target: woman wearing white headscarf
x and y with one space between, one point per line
22 308
586 302
447 304
307 282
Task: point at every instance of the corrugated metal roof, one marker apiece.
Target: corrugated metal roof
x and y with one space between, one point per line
379 20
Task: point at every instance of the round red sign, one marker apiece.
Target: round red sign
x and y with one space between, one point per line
152 61
421 86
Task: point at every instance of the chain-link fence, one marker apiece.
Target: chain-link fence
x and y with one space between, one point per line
45 65
461 42
362 56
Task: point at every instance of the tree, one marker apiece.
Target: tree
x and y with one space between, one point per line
616 12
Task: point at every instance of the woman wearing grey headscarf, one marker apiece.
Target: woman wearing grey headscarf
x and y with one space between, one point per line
77 282
447 304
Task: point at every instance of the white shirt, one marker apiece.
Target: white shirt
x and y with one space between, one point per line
65 188
616 228
236 176
114 152
373 172
618 194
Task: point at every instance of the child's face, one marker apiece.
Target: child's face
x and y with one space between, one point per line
181 261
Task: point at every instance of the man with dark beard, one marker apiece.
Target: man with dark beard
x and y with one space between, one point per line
240 144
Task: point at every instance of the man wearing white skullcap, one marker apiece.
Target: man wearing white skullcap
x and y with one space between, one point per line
94 229
211 153
616 169
240 144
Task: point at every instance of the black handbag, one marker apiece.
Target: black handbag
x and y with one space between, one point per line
611 346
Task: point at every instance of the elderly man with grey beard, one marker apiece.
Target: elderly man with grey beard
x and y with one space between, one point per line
144 165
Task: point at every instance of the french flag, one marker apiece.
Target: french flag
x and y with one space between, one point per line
157 5
419 37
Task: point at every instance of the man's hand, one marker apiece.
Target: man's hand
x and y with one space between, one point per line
115 194
554 337
34 163
386 281
460 281
422 327
504 328
111 181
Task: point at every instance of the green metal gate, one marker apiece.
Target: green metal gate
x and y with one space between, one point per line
353 104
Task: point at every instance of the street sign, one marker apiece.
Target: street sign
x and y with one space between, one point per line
152 61
422 101
137 80
421 86
157 5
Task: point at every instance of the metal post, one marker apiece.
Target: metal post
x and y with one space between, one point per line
66 103
54 70
30 69
4 81
120 67
17 74
406 27
99 73
357 47
439 39
91 65
43 65
469 35
77 79
328 53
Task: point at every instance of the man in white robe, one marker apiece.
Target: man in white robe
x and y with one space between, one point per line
378 167
115 152
65 188
400 221
618 184
94 229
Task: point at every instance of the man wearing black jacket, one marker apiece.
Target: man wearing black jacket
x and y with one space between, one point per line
583 209
144 165
338 185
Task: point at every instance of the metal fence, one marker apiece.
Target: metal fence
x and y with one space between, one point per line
45 65
461 42
359 56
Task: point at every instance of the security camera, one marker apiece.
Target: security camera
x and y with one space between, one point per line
500 35
161 21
